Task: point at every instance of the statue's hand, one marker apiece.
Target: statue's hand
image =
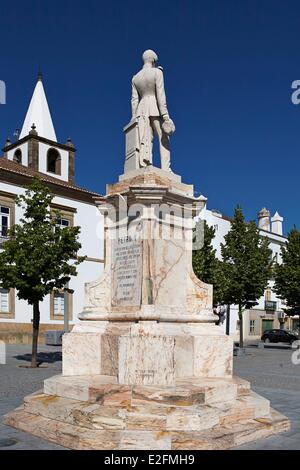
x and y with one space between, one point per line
168 126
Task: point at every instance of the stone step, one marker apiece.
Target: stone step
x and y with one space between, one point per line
251 406
105 391
94 416
231 435
151 416
243 386
78 437
87 415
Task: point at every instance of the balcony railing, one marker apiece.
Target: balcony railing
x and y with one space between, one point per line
270 305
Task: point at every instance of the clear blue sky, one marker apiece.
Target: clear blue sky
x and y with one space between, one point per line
228 70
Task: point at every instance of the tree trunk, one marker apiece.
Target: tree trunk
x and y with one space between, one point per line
228 320
35 334
241 327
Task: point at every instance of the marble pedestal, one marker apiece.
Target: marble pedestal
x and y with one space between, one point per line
146 367
147 352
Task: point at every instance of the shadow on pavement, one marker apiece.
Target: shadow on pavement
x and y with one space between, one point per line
43 357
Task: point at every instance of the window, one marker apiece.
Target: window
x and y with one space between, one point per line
4 300
18 156
63 223
59 303
65 215
53 161
252 327
4 221
7 214
7 303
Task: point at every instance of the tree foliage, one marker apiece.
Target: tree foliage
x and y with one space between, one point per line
207 266
246 264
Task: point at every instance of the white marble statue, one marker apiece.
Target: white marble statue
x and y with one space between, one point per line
149 107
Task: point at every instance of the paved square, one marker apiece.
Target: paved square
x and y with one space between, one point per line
18 381
273 375
270 371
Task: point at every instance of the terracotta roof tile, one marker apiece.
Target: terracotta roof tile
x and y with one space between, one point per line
17 168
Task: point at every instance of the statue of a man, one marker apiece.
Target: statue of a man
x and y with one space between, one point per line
149 107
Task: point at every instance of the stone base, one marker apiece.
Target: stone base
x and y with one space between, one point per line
97 413
147 353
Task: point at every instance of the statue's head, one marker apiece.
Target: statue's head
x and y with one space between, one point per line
149 57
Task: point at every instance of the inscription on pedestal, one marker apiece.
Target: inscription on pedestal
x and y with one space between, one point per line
126 272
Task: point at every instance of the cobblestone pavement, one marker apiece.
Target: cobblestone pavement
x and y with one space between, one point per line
273 375
270 371
16 381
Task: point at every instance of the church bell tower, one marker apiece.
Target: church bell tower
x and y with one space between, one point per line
37 146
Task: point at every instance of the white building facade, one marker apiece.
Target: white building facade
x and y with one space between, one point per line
37 153
268 313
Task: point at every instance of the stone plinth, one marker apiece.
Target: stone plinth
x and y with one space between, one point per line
147 352
147 368
95 412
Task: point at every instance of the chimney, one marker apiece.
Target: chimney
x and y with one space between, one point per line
264 219
277 223
7 144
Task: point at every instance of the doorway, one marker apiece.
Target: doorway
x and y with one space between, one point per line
266 325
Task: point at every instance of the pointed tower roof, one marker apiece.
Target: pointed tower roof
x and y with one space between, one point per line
39 114
276 217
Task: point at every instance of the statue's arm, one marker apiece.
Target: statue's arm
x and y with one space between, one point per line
161 95
134 100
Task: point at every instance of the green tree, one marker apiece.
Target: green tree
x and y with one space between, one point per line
39 256
287 274
207 266
246 265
